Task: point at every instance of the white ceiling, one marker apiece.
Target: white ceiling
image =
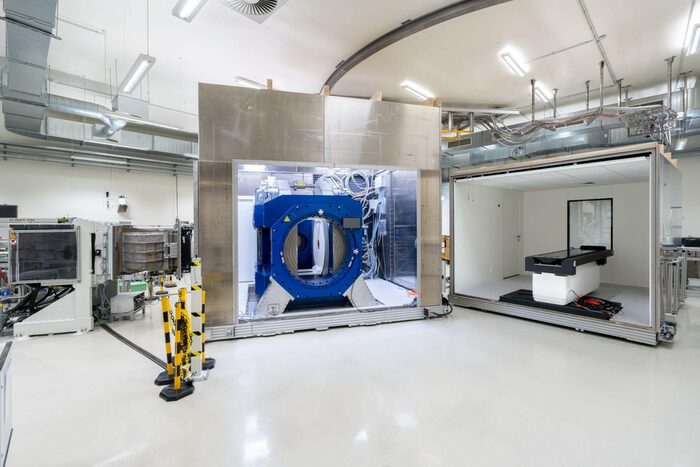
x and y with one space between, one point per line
460 60
573 176
300 45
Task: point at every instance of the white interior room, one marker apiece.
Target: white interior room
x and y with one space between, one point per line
503 218
146 314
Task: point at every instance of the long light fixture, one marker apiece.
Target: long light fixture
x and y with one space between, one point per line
694 43
248 83
513 64
102 161
680 145
186 10
541 94
137 72
416 91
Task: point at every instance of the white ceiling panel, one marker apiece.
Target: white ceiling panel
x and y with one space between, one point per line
600 173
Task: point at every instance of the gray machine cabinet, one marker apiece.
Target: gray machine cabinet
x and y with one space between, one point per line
664 229
240 124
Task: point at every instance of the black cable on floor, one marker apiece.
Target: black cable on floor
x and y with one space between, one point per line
140 350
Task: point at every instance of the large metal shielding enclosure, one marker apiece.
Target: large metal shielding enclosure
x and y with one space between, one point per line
240 124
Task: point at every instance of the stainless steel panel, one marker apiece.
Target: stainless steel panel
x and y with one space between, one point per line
609 328
251 125
286 324
215 239
365 132
401 252
247 124
430 240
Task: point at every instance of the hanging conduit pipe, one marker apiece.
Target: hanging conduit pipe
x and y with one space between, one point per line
602 82
619 93
532 86
669 62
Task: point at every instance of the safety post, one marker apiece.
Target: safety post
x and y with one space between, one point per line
166 377
182 385
198 313
162 290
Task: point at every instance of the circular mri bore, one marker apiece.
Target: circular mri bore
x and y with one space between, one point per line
314 250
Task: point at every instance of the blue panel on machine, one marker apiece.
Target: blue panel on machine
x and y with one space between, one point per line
310 244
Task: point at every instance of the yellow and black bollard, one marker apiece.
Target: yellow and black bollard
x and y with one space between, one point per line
207 363
166 377
162 290
179 389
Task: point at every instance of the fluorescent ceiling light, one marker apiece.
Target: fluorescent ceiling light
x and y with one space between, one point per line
138 70
248 83
512 64
693 45
416 91
253 168
680 145
540 93
188 9
102 161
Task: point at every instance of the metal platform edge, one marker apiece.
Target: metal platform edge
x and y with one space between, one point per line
579 323
289 323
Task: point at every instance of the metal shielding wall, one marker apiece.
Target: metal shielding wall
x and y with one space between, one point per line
241 124
362 132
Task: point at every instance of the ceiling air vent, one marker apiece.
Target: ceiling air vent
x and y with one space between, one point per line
257 10
459 143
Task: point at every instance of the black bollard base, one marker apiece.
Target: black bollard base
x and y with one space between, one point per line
170 394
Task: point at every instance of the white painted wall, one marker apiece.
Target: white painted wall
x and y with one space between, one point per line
479 235
545 227
56 190
690 171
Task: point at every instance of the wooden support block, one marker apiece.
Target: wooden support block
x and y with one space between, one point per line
326 91
377 96
433 102
269 85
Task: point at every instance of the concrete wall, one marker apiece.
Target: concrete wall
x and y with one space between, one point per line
43 189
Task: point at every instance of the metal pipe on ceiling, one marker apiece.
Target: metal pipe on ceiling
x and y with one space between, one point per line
599 43
669 66
602 82
408 29
532 95
619 93
588 95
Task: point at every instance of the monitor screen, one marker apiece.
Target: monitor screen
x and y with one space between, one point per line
41 256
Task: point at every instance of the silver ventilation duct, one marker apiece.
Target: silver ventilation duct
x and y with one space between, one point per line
29 31
29 110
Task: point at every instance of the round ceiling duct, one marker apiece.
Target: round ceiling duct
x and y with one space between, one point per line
253 7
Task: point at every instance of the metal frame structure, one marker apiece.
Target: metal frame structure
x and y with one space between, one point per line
662 326
241 125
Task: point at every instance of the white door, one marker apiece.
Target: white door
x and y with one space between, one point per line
512 233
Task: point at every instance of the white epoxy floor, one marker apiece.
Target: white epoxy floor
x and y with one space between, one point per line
472 389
